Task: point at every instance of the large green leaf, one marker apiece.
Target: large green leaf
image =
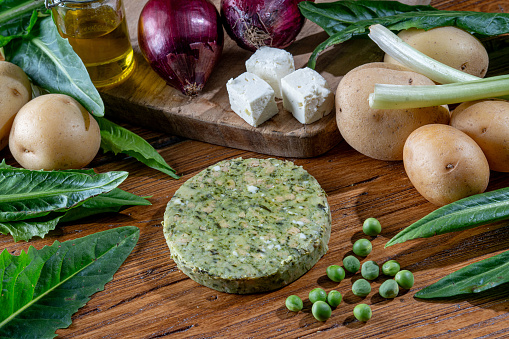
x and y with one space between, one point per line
28 194
41 289
474 278
460 215
52 64
17 18
117 139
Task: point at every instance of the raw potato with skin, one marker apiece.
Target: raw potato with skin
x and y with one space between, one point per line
449 45
54 132
15 91
444 164
380 133
487 122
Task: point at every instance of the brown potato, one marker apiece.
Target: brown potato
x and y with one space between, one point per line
449 45
487 122
54 132
444 164
380 133
15 91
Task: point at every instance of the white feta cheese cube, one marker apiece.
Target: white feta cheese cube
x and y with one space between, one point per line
271 64
251 98
307 95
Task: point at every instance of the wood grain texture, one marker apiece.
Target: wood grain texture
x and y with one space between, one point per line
150 298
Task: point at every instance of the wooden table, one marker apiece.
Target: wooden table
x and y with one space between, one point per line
150 298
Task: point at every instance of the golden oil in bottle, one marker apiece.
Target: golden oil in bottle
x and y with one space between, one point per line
101 39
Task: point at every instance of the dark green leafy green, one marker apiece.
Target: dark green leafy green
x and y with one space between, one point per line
480 23
17 18
460 215
117 139
474 278
41 289
51 63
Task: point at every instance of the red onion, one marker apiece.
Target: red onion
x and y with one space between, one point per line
256 23
182 40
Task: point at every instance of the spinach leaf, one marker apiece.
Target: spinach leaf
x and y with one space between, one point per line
17 18
52 64
333 17
460 215
29 228
117 139
483 24
28 194
41 289
474 278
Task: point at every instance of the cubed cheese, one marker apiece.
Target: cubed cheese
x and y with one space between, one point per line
271 64
251 98
307 95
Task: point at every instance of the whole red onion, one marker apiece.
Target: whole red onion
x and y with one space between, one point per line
182 40
256 23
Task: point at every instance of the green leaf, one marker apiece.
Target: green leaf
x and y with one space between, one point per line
52 64
43 288
117 139
28 194
29 228
333 17
17 18
460 215
483 24
474 278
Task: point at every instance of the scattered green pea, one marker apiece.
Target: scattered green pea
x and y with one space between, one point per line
370 270
362 312
351 264
371 226
390 268
317 294
294 303
361 288
362 247
335 273
321 310
389 289
405 279
334 298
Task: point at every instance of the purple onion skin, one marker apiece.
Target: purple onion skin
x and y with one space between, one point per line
255 23
182 40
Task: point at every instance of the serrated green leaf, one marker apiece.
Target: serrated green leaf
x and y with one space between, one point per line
117 139
28 194
460 215
17 18
42 289
52 64
29 228
474 278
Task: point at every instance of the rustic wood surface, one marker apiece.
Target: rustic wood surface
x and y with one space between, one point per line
150 298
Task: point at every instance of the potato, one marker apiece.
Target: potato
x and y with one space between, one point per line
449 45
15 91
380 133
53 132
487 122
444 164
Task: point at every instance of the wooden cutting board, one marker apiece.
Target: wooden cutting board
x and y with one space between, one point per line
146 100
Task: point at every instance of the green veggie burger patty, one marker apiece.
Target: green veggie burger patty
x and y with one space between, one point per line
248 225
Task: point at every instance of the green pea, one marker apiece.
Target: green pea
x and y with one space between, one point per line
371 226
391 267
389 289
294 303
334 298
351 264
335 273
370 270
405 279
362 312
361 288
362 247
321 310
317 294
